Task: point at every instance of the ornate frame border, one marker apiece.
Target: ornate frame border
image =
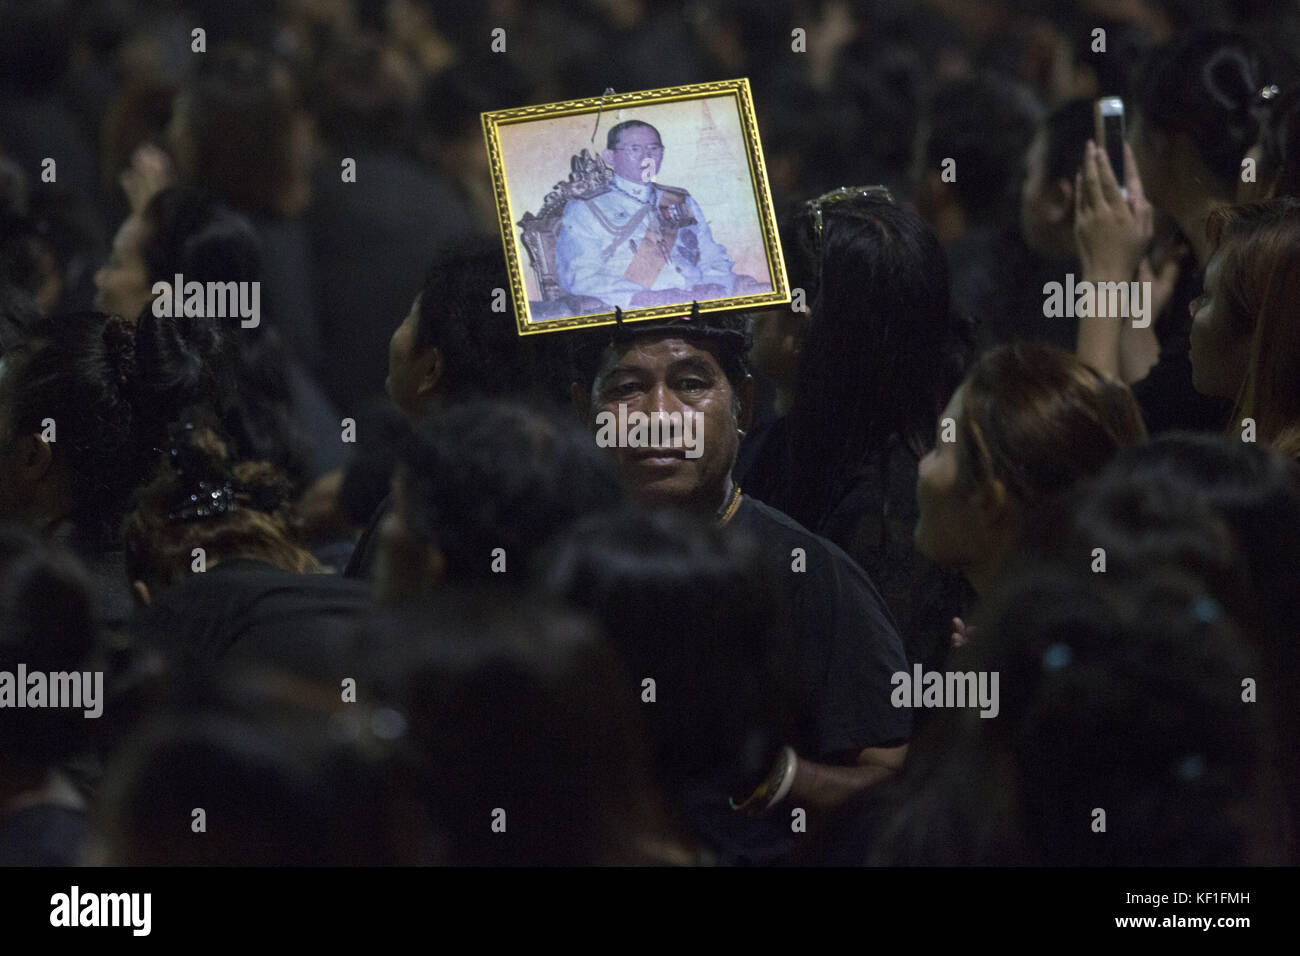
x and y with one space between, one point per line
740 93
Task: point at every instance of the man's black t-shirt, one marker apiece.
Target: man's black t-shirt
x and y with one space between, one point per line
839 647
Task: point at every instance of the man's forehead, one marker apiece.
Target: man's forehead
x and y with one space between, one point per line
654 353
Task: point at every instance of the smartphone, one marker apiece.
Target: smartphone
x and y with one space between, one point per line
1110 135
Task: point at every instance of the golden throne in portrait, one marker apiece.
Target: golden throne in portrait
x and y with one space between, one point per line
588 175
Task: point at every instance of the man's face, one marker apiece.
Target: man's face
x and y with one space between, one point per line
638 155
660 377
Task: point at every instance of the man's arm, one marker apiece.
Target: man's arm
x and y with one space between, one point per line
798 782
824 786
580 263
714 265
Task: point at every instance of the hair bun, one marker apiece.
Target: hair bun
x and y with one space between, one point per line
119 349
1230 78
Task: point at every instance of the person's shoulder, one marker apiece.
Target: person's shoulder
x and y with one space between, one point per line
765 520
583 202
245 581
753 511
831 570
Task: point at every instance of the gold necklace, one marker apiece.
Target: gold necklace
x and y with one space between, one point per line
733 504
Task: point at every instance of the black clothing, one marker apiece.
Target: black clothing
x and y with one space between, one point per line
45 834
316 423
997 283
1009 308
1167 398
1169 402
361 565
105 564
873 520
35 126
247 610
837 650
287 301
372 242
839 646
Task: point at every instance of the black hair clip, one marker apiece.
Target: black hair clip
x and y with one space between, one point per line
206 486
206 501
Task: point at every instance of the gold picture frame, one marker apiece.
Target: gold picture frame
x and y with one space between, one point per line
611 234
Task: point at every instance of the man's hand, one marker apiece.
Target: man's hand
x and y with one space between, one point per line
962 633
1111 233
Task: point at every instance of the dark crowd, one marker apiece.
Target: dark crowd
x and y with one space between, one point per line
957 579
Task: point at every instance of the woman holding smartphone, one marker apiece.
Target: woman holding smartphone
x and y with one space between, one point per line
1189 126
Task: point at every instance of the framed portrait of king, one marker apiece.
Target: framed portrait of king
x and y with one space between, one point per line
645 202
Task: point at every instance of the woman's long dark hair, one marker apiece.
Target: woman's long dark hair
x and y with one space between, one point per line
870 369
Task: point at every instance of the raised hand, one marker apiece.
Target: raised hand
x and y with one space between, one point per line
151 171
1111 232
